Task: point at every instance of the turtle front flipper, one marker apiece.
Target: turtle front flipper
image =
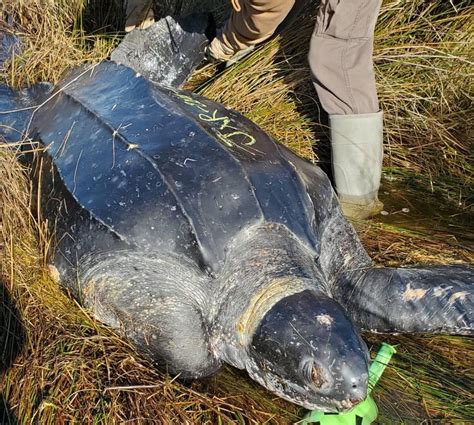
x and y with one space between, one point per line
435 299
158 302
168 51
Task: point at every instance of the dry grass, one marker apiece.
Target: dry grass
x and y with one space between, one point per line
54 40
69 368
425 69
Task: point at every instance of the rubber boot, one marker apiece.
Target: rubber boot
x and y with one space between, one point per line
357 153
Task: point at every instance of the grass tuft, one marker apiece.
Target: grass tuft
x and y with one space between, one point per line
53 41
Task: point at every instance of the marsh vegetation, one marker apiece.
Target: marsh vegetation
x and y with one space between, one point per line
66 367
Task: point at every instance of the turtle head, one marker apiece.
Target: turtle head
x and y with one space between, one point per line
307 351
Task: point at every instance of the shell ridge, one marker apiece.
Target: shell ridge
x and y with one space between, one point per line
130 147
72 193
228 152
218 145
204 239
296 174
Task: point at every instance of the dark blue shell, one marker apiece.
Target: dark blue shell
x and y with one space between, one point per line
164 170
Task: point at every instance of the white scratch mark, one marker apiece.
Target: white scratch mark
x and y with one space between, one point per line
75 171
188 159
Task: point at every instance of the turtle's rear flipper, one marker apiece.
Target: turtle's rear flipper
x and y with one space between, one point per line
437 299
168 51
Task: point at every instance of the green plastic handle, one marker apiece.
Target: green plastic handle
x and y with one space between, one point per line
379 364
367 410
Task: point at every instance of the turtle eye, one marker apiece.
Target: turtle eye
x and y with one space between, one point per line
318 377
315 375
308 371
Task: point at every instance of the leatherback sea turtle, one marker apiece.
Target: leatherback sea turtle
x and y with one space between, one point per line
185 227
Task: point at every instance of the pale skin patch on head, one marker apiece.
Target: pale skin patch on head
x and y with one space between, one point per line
347 259
263 301
457 296
413 294
324 319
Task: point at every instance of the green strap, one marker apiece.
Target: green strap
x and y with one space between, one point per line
380 363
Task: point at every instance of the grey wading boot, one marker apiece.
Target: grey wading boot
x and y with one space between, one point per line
357 152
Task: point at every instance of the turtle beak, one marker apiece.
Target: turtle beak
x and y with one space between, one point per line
308 351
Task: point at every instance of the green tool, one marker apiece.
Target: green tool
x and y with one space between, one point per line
364 413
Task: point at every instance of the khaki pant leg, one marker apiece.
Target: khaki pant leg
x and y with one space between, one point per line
139 14
340 56
255 22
